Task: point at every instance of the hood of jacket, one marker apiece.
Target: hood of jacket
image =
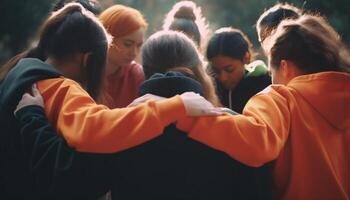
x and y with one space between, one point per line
329 94
20 78
170 84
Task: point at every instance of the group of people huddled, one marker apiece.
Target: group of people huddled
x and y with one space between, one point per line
198 118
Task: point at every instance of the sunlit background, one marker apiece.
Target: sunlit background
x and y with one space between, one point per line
20 19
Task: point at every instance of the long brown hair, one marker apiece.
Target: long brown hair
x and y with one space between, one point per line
67 31
173 51
310 43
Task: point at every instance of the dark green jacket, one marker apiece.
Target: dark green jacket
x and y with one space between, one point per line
36 163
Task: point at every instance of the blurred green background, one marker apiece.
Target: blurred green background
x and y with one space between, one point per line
20 19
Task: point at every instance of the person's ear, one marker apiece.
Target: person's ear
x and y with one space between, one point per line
284 70
288 70
246 58
85 58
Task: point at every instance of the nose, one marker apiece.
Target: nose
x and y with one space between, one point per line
134 51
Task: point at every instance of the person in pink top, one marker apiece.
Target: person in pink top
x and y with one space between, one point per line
123 76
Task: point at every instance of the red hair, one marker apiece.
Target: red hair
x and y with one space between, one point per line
121 20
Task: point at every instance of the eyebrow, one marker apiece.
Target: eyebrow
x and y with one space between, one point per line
226 66
132 41
128 40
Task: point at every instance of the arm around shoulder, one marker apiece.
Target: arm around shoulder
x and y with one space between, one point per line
253 138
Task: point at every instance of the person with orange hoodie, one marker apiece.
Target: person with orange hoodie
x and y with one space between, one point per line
123 76
301 122
70 55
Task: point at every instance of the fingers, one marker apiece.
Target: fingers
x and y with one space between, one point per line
26 96
35 90
144 98
139 100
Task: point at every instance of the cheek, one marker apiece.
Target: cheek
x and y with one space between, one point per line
236 76
121 54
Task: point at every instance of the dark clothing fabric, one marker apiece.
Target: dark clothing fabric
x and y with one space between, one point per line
173 166
36 162
57 169
251 84
239 96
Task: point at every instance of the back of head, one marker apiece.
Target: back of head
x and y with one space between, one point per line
269 20
186 17
229 42
90 5
166 50
66 32
121 20
310 43
173 51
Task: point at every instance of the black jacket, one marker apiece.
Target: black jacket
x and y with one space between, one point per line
237 98
36 163
173 166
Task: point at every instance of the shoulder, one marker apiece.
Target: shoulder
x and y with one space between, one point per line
262 78
136 67
276 91
58 85
136 71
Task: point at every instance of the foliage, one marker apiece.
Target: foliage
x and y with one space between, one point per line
20 18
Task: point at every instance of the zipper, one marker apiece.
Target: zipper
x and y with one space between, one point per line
230 99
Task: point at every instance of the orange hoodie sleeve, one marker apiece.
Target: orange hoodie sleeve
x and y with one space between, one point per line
89 127
253 138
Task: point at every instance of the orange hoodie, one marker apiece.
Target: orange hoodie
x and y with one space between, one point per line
304 127
89 127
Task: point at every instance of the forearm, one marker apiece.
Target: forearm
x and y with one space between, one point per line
254 138
89 127
101 130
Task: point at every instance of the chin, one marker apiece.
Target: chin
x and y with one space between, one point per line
230 87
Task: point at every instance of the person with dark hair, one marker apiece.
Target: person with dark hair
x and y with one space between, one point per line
186 17
123 75
90 5
229 53
70 56
272 17
301 122
174 166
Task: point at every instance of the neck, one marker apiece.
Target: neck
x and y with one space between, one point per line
56 64
66 67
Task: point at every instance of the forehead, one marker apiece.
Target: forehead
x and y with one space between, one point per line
221 62
135 36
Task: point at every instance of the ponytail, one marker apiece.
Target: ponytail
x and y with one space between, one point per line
186 17
67 31
311 44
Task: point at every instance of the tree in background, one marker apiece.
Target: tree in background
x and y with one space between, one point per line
20 18
19 21
244 14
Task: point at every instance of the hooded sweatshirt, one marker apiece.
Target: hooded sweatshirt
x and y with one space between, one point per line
174 166
78 119
15 179
304 126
